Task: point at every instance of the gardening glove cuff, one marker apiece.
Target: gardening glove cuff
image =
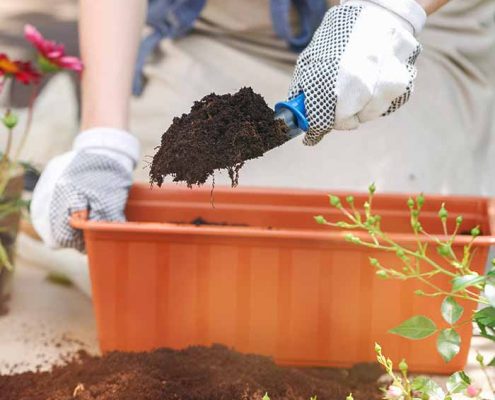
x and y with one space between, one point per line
94 177
359 66
115 143
409 10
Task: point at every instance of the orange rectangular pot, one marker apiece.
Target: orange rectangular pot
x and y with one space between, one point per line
272 282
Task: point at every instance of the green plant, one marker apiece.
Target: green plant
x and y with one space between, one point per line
416 262
50 58
404 387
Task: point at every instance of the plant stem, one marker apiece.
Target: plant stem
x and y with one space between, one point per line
419 256
422 279
32 99
395 246
4 178
376 234
5 157
4 162
487 376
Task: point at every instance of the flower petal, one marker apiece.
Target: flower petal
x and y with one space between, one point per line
32 35
70 62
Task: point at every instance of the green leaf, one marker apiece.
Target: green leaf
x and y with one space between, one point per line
427 386
462 282
417 327
492 362
448 344
451 310
4 259
485 319
59 279
28 166
458 382
465 377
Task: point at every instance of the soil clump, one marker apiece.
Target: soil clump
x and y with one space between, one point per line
220 132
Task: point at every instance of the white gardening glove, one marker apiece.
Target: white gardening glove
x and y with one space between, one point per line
359 65
94 177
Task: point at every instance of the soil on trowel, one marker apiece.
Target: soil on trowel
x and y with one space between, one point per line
220 132
213 373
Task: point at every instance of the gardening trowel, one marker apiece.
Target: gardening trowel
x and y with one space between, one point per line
293 113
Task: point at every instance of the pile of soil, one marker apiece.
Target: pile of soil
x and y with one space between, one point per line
206 373
220 132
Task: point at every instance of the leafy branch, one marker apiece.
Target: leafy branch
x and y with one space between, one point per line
363 227
404 387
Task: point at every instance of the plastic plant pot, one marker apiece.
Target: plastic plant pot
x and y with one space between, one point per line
271 282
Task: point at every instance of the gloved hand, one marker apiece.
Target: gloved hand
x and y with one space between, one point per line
359 65
94 177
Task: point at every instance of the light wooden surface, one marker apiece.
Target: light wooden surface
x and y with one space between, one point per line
46 322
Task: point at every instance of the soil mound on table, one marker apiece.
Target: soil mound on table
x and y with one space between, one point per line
206 373
220 132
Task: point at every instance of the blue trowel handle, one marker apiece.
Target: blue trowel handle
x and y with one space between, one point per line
293 113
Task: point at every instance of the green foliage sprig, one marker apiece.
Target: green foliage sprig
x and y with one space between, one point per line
403 387
416 263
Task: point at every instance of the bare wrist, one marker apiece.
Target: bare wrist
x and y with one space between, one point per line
430 6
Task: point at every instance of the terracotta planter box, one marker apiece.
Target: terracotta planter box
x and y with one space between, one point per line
273 282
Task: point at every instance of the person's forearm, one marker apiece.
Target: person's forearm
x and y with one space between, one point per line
431 6
109 36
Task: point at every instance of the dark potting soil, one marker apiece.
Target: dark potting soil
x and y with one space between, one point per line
220 132
199 221
203 222
206 373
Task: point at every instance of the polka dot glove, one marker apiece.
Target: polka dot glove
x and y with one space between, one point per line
359 65
95 177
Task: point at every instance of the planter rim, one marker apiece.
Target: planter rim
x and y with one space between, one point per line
168 228
253 232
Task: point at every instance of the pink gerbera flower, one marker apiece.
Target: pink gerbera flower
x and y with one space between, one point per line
51 54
